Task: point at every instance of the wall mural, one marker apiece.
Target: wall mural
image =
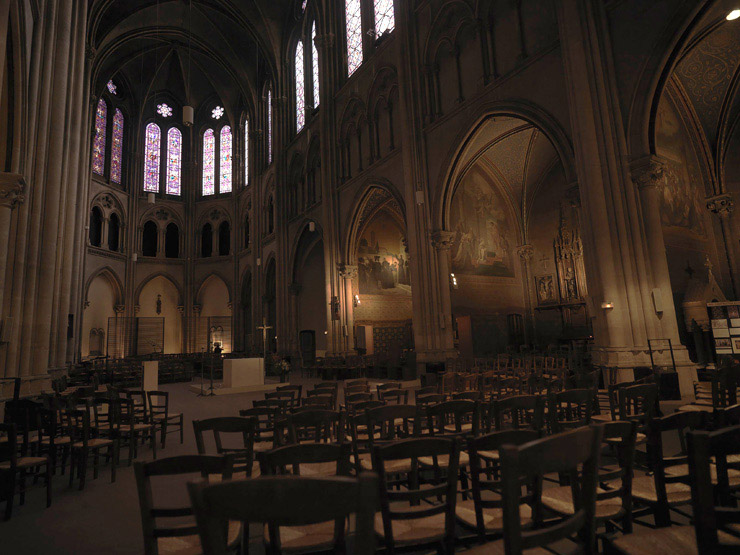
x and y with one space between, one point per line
484 231
382 259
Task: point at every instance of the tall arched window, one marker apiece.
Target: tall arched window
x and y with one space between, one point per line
101 123
116 159
247 239
353 20
246 152
96 227
151 158
384 17
174 160
172 241
225 161
114 232
300 87
206 241
315 66
209 162
224 239
149 239
269 126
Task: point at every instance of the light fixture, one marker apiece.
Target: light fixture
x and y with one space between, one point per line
259 261
311 226
188 116
453 281
134 257
733 15
356 300
150 198
606 305
326 332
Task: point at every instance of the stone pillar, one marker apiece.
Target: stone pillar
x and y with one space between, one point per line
722 206
525 253
12 188
348 273
442 242
294 289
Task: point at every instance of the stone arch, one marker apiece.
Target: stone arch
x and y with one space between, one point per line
113 280
204 281
535 115
303 230
168 277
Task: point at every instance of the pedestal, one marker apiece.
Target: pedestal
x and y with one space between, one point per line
151 375
242 372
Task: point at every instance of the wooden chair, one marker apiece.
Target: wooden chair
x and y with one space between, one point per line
159 412
570 409
315 426
281 405
317 400
53 436
351 399
356 390
228 427
272 499
715 515
383 424
128 428
728 416
265 419
639 404
484 513
380 389
575 453
178 537
418 516
428 390
288 396
363 382
517 412
85 443
296 389
394 396
15 469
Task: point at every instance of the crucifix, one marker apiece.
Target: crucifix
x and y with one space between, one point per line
264 327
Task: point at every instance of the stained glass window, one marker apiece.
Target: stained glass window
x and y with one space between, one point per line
174 160
225 162
384 18
315 66
111 87
209 162
303 5
101 121
269 126
116 147
217 112
246 152
151 158
300 88
353 15
164 110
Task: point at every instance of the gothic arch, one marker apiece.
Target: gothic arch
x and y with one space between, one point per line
113 280
533 114
362 201
204 281
444 31
303 231
166 276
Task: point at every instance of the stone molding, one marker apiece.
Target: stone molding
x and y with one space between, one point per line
648 171
347 271
721 205
12 189
525 252
442 240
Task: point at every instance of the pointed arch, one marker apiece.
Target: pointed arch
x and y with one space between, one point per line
110 276
165 275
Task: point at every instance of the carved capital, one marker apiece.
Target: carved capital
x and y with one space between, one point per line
119 308
648 171
525 252
197 308
721 205
181 309
347 271
12 188
442 240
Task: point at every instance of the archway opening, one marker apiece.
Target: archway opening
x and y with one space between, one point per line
149 239
172 241
159 298
310 295
99 307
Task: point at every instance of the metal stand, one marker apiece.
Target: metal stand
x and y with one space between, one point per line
210 389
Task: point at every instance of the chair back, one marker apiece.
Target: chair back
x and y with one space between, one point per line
518 412
151 515
288 396
454 417
410 503
363 382
638 403
318 399
304 458
622 435
714 507
570 409
265 419
287 501
296 389
395 396
225 428
316 426
574 453
159 404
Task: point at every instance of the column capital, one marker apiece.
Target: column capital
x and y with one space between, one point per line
12 188
347 271
442 240
197 308
119 308
648 171
721 205
325 41
181 309
525 252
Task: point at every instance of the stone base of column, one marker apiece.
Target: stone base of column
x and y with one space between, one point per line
626 358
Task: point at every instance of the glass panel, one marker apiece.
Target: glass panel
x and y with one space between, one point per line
101 121
269 126
116 147
164 110
225 163
384 19
300 88
151 158
354 35
246 152
174 160
209 162
217 112
315 66
111 87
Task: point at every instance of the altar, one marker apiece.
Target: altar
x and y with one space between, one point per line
241 375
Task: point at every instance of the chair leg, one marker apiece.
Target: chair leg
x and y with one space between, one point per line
83 468
23 487
153 439
72 461
113 451
96 463
131 448
48 484
9 494
164 432
181 426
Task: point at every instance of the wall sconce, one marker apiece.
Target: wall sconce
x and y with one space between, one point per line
356 300
134 257
733 15
187 116
150 198
453 281
606 305
311 226
259 262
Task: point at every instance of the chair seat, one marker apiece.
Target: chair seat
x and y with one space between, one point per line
391 466
643 489
261 446
318 469
560 500
190 545
24 462
93 443
493 518
313 537
175 416
696 408
639 439
497 548
62 440
451 428
444 460
676 540
413 531
489 455
733 475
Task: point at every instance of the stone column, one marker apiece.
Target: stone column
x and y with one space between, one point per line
442 242
722 206
348 273
12 188
525 253
294 289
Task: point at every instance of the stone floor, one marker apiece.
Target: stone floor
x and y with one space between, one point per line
104 518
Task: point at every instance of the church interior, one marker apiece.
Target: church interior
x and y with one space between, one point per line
358 276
